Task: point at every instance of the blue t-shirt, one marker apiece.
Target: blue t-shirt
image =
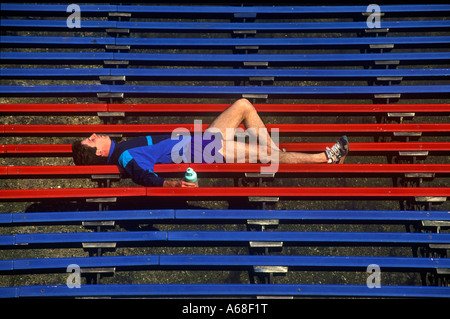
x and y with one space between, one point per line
139 155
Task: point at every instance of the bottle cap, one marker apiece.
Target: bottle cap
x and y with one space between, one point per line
191 175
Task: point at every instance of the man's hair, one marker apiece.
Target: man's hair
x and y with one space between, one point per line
85 155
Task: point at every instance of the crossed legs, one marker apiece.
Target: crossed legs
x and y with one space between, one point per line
242 111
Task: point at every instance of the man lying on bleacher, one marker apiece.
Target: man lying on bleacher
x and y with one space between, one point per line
138 156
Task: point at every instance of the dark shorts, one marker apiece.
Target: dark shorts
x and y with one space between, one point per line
198 151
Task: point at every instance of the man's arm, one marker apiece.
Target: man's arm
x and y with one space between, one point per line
150 179
179 183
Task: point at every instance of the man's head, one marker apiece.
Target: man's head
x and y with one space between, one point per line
93 150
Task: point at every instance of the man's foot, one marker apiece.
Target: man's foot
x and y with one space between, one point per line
338 152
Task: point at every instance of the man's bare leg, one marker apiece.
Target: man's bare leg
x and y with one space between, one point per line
242 111
244 153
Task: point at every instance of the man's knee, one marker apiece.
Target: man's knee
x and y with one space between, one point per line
245 105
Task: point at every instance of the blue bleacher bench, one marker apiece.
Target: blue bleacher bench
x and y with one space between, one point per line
47 57
231 237
226 261
44 41
16 7
157 290
222 26
54 8
234 73
226 42
275 42
230 215
221 90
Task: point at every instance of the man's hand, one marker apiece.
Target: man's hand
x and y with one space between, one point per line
179 183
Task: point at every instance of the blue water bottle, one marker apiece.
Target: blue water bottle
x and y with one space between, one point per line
191 176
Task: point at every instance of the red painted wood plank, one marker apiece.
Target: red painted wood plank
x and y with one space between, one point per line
53 107
63 170
347 128
167 107
211 107
312 168
297 108
290 128
299 191
379 192
38 148
367 147
72 193
89 129
230 167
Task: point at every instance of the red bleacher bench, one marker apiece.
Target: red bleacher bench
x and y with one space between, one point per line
215 192
217 107
228 167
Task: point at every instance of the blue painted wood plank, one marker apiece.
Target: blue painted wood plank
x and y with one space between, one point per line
46 238
290 90
9 292
233 290
223 26
287 26
66 72
225 9
7 240
93 216
305 261
6 265
82 262
223 215
61 24
221 90
62 8
278 42
335 215
223 236
193 42
164 57
279 9
308 237
94 41
215 42
282 57
50 56
53 89
228 214
308 73
6 218
225 261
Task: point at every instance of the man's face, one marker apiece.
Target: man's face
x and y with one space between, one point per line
101 142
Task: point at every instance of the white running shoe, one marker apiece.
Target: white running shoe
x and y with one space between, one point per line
338 152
